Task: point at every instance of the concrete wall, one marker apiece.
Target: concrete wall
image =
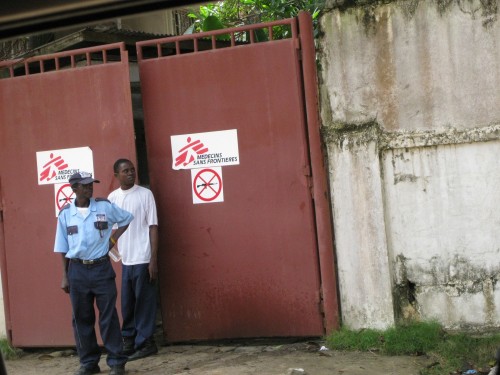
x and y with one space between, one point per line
410 108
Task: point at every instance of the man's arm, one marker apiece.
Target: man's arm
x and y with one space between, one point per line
61 246
153 263
116 235
65 283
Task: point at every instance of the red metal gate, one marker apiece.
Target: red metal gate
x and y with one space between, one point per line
59 101
250 266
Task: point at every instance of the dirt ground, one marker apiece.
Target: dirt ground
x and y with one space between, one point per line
262 357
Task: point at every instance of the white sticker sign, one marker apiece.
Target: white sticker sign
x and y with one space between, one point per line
63 194
204 150
207 185
56 166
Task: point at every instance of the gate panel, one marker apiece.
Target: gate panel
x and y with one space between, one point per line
248 266
67 107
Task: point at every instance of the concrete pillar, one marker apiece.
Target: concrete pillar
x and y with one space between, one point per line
361 245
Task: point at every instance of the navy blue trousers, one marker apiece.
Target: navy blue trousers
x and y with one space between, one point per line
89 284
138 303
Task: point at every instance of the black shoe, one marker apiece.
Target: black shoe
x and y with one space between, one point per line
148 349
88 370
117 370
128 345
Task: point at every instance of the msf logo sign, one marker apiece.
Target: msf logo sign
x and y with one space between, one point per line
189 153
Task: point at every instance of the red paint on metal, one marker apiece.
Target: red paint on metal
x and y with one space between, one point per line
248 266
51 110
232 32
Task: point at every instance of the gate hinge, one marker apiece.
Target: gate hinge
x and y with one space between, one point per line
321 306
297 43
307 170
308 174
319 297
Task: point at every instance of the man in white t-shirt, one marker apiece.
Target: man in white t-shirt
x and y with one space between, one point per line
138 247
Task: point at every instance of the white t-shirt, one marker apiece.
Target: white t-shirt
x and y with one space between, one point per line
134 244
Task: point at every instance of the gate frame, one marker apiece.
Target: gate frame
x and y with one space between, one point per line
321 196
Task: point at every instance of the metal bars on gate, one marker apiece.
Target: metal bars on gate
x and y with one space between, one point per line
63 60
172 46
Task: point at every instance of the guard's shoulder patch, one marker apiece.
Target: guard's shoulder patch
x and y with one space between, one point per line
66 206
102 200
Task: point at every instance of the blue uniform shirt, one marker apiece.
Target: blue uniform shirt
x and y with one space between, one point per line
79 237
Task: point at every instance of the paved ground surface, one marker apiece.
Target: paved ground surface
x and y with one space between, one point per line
251 357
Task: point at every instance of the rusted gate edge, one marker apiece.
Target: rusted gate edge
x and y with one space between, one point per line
324 232
3 268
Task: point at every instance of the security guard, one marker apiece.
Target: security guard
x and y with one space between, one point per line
83 237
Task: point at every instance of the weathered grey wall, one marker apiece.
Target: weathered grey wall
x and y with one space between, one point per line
410 108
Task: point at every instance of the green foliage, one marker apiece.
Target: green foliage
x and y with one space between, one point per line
459 350
8 351
213 23
260 35
363 340
448 352
232 13
413 338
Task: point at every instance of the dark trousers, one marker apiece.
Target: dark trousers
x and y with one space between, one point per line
89 284
138 304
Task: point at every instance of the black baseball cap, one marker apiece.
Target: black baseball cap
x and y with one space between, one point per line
81 177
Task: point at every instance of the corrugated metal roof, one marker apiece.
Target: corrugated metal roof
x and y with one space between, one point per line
93 36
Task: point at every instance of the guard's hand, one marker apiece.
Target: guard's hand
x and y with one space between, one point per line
65 284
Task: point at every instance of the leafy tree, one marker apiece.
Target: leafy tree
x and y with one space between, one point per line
232 13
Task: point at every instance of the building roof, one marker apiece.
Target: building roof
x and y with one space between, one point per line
93 36
23 17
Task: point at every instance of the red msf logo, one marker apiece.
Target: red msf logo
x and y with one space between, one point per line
55 163
188 153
